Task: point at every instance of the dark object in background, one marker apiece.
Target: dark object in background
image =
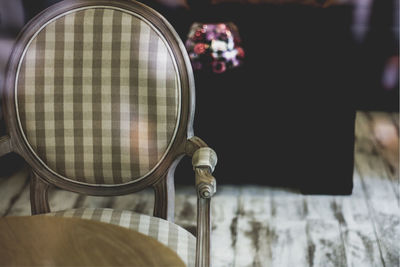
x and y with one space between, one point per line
286 118
12 19
377 78
289 112
32 8
9 164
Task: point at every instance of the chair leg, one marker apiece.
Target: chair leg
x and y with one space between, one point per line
203 245
38 191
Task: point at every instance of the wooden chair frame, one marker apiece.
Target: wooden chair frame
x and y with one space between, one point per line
161 179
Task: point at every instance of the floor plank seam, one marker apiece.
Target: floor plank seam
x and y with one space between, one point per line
371 213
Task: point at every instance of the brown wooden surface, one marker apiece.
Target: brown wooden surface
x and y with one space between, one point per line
57 241
255 225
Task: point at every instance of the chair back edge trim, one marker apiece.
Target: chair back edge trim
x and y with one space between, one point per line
179 111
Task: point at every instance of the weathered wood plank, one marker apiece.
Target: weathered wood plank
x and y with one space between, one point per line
319 212
140 202
97 202
378 136
247 235
319 207
365 143
186 206
287 204
386 135
61 200
263 238
261 226
252 202
22 207
395 119
383 206
325 245
386 138
224 213
357 230
323 212
271 243
361 246
289 246
11 189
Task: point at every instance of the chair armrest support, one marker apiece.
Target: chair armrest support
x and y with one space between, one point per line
206 185
203 239
204 160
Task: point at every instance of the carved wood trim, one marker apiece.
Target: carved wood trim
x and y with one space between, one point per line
206 187
38 191
192 144
206 184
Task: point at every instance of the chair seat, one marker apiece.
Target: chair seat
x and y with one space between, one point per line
169 234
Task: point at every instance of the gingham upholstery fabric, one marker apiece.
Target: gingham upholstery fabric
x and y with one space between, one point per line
98 96
169 234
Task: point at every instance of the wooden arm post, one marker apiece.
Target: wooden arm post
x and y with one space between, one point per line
204 193
39 201
204 160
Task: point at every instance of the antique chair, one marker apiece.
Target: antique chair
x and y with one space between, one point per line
99 100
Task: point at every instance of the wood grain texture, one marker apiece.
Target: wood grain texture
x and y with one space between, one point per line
383 207
358 234
38 194
56 241
224 214
255 236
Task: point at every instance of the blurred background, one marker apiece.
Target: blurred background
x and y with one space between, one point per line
308 67
367 28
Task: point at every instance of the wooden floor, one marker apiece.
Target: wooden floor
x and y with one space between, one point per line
262 226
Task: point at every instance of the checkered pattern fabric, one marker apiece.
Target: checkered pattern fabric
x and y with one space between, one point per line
98 96
169 234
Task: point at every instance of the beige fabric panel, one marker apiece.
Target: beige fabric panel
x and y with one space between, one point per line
98 96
